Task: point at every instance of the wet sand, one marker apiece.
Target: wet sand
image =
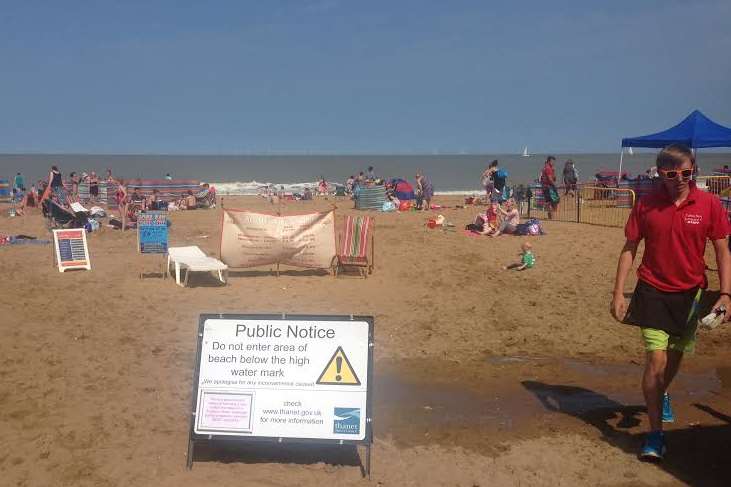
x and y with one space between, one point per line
483 376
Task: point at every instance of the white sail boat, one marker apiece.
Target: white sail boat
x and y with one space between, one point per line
629 151
525 151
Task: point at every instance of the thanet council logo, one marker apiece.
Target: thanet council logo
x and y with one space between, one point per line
346 421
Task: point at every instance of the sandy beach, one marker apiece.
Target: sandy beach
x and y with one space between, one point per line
482 376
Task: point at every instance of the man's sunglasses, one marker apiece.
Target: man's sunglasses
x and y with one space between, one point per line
673 173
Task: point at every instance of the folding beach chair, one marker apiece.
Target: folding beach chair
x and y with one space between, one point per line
192 259
353 245
59 216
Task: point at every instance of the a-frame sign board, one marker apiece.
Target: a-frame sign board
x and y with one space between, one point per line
283 379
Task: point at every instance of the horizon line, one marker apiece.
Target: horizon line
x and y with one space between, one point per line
307 153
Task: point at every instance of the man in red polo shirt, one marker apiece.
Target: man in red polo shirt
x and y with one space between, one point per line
548 185
675 221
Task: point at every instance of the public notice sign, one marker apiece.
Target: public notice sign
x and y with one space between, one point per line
283 377
71 249
152 232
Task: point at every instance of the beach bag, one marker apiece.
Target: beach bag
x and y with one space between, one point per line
474 227
530 227
388 206
534 227
553 195
500 177
506 194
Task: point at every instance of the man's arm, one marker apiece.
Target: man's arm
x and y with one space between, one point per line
618 307
723 262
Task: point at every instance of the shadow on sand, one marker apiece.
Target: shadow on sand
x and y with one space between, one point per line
698 456
263 452
283 272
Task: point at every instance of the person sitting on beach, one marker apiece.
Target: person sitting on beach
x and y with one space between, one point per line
370 175
190 202
349 183
187 202
30 199
392 203
510 218
491 214
307 196
136 197
27 199
152 202
485 223
527 259
206 197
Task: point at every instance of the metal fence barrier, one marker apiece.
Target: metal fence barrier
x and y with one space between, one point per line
714 184
594 205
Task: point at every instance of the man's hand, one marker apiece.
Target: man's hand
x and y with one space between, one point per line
618 307
724 301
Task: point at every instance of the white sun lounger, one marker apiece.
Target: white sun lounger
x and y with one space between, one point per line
192 259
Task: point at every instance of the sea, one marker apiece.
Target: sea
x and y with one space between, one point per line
248 174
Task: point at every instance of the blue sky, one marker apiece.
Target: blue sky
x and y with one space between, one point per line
352 76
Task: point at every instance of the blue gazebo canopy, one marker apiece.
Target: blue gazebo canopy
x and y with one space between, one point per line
695 131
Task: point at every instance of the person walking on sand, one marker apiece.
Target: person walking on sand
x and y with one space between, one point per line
55 186
675 221
570 178
488 181
424 187
548 183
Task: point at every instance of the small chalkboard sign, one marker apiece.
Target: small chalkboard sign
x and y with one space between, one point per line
152 232
71 249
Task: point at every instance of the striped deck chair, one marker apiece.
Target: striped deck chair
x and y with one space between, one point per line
353 245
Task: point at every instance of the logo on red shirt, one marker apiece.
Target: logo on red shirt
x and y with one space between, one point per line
693 218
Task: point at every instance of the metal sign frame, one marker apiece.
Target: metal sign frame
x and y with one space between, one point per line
158 214
57 249
367 441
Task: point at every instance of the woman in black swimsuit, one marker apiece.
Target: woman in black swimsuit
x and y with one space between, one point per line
55 187
93 186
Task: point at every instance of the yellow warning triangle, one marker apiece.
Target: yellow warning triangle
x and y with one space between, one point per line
338 371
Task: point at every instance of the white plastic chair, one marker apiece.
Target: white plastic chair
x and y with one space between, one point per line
192 259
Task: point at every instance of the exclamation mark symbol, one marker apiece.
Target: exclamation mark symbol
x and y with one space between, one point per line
338 366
